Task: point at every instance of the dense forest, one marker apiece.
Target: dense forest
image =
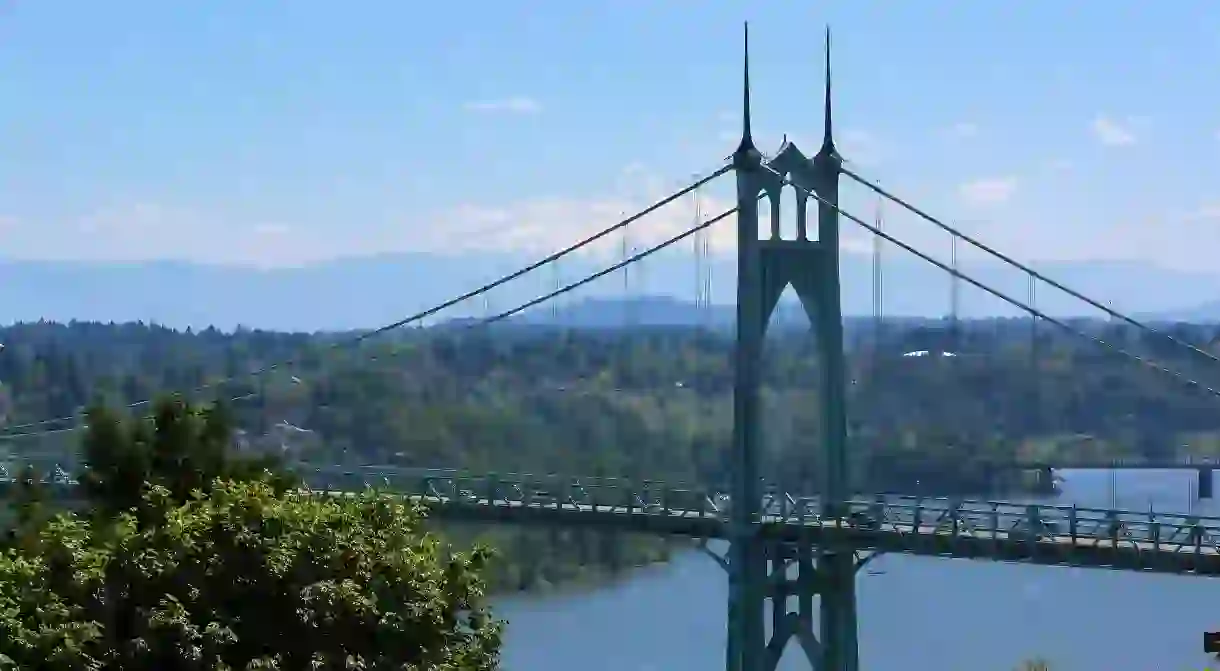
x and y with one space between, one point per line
643 403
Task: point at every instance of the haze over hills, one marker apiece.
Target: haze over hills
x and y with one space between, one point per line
366 292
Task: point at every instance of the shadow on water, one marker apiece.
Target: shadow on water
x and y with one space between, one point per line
917 614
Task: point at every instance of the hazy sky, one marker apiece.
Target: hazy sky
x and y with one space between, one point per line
277 133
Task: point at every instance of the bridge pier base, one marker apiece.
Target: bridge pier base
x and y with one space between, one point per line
828 575
839 634
1206 483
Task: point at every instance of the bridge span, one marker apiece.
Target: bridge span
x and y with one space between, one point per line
992 530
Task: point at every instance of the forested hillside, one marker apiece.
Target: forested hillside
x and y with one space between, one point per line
650 403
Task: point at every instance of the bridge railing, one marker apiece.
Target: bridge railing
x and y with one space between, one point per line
594 492
976 518
1001 520
575 494
997 520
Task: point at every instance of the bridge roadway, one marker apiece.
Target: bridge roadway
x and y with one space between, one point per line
989 530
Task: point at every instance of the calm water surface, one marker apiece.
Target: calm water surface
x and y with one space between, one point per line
917 614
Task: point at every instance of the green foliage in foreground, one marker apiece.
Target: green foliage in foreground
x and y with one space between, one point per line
245 579
189 555
184 449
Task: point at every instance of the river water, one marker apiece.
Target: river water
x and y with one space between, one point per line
916 614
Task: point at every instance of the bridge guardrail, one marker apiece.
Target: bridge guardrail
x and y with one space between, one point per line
1000 521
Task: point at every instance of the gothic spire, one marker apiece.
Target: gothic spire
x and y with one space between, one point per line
828 141
747 139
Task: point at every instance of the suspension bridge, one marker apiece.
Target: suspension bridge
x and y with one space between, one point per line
793 557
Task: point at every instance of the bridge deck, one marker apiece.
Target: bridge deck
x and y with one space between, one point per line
990 530
1091 550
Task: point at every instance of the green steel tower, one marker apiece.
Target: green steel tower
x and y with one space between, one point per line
767 263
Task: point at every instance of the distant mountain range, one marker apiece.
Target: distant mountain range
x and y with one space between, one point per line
366 292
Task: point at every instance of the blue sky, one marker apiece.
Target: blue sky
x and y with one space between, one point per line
279 133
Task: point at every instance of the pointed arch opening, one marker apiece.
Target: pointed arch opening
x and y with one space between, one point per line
789 205
790 390
767 221
811 217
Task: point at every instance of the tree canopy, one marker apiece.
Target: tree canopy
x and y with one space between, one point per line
183 449
246 578
201 561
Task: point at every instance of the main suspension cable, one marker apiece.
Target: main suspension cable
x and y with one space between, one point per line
879 190
490 319
355 340
998 294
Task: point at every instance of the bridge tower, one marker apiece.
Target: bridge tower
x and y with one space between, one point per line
766 265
